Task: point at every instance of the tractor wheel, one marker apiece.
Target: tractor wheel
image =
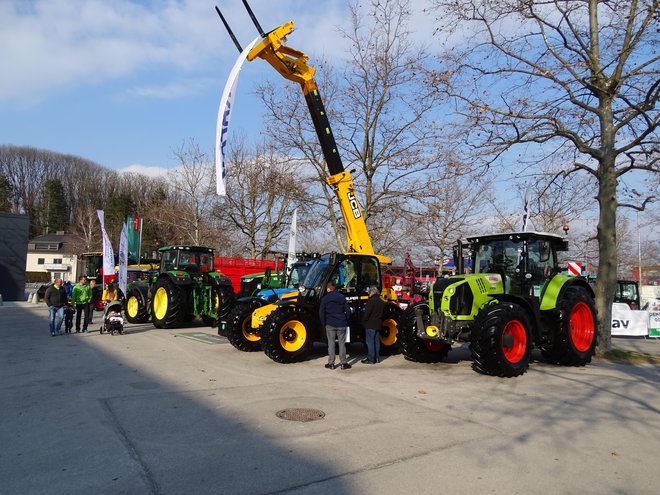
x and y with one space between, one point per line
389 333
576 338
287 334
501 341
223 301
136 309
414 348
239 331
168 304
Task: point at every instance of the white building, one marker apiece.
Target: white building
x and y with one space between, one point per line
53 254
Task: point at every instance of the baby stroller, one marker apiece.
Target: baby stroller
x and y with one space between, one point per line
113 321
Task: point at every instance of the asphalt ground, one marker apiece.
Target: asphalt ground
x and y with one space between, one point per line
181 412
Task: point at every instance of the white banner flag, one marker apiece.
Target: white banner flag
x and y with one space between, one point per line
108 253
123 259
526 210
224 115
291 258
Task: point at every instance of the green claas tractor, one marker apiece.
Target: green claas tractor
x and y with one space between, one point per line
514 299
184 288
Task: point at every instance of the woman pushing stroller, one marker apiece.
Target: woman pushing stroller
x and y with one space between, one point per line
113 320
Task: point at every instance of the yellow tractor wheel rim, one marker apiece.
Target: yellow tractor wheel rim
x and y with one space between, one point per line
132 306
215 303
246 326
390 331
293 335
160 303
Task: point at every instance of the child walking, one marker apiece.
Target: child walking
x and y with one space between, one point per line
69 311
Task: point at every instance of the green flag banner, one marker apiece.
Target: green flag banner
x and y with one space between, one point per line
134 231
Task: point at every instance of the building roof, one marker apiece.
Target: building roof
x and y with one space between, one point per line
55 242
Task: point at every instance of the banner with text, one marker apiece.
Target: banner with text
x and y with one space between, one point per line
654 324
108 253
224 116
628 322
123 259
134 235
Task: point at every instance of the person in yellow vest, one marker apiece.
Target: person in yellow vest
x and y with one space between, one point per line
110 293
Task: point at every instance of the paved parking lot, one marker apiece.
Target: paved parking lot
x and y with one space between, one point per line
181 411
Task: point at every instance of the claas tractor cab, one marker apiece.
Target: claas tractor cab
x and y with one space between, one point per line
515 299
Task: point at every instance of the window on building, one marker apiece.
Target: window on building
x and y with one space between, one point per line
41 261
57 261
46 246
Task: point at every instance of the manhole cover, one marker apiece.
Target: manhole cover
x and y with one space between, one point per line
300 414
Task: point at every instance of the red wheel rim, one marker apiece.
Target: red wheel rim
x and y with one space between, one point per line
582 327
516 351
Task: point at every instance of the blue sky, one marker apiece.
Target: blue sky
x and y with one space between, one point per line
124 82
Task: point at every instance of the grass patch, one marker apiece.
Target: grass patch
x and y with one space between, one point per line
629 357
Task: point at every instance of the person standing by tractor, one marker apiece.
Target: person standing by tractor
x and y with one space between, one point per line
81 296
55 298
94 301
334 314
373 320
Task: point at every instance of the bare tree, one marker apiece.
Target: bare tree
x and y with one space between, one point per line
194 192
579 75
263 189
381 111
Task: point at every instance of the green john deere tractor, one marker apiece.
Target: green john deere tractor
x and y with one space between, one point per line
514 299
184 288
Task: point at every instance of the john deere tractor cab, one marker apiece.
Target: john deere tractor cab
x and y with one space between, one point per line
515 299
288 327
184 288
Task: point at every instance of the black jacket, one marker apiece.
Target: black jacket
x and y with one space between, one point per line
334 310
55 297
373 313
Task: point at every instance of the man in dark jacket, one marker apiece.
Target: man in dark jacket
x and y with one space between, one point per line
55 298
334 313
373 320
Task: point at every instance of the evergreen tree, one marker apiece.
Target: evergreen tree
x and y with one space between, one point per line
54 208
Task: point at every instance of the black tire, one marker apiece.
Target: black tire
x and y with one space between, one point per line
168 304
137 310
414 348
501 340
287 334
576 338
389 333
224 301
238 329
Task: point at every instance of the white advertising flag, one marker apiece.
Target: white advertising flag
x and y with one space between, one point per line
123 259
224 116
291 259
108 253
526 210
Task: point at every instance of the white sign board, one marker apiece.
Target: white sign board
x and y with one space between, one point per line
628 322
654 324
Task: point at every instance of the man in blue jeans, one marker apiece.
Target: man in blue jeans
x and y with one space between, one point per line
373 321
335 313
55 298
